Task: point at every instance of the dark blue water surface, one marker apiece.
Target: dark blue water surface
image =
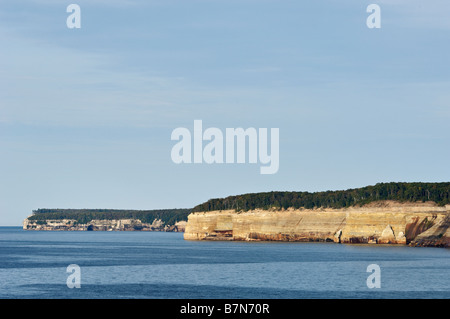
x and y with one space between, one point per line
33 264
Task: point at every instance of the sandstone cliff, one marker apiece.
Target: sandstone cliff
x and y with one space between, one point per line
384 222
103 225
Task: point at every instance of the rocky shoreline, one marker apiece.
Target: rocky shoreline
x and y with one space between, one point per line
103 225
383 222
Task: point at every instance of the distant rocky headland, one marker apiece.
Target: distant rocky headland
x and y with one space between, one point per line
416 214
170 220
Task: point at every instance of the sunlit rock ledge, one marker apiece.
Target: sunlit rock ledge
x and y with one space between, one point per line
382 222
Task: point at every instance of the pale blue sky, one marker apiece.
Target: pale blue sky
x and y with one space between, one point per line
86 115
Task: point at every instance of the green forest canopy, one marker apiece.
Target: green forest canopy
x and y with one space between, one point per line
436 192
412 192
83 216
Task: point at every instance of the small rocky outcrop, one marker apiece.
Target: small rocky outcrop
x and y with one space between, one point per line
387 236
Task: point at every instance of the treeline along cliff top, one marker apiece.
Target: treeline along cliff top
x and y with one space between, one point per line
402 192
84 216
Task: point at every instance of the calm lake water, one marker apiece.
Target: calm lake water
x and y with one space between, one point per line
33 264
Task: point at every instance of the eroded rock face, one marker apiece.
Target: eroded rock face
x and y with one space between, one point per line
387 236
103 225
401 238
337 236
384 222
437 235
